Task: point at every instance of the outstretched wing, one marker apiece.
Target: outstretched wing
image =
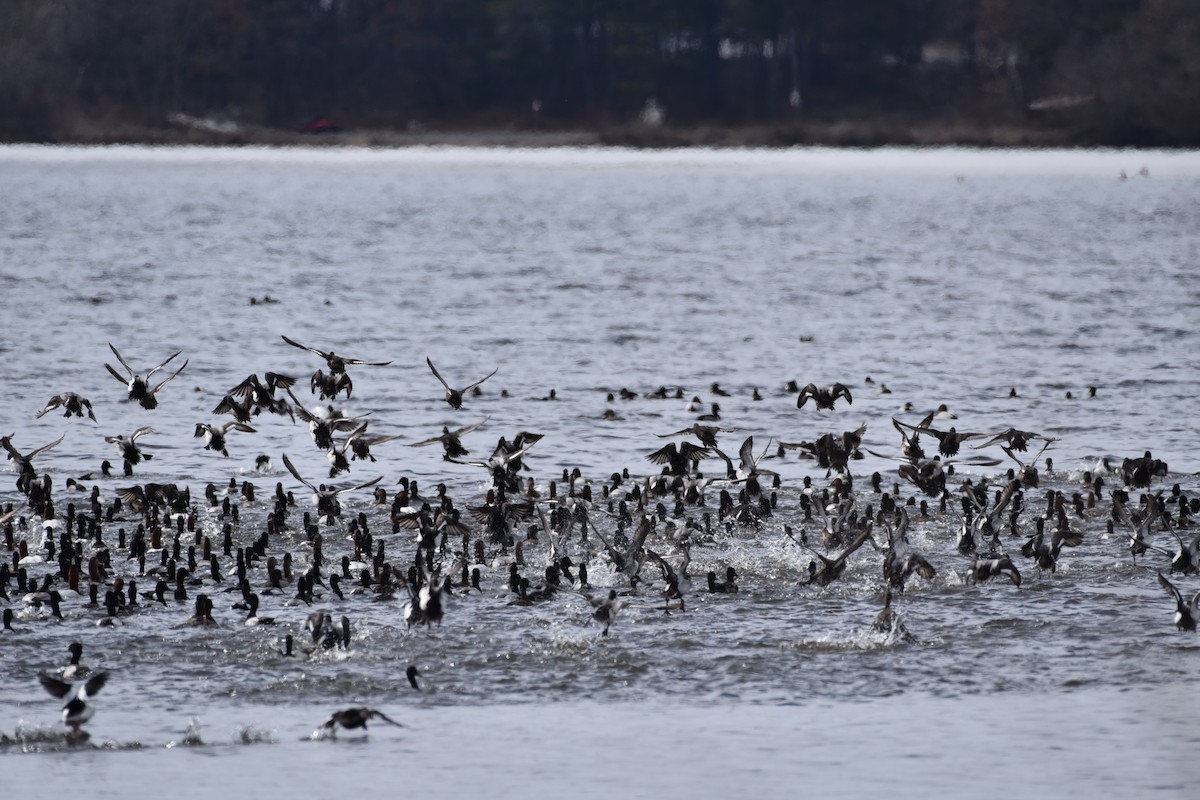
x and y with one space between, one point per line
59 688
120 358
437 374
287 462
294 343
481 380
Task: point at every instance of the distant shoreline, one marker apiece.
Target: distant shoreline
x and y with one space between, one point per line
841 133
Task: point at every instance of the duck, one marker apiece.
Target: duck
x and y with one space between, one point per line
680 460
75 670
23 462
604 610
707 434
360 444
949 442
138 386
1185 610
324 424
358 717
259 395
128 448
454 397
337 381
984 570
75 695
943 412
451 441
729 586
214 435
75 405
824 396
252 617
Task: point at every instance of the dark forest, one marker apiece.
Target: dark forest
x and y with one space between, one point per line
1118 72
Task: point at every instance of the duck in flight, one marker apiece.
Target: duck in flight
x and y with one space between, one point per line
823 396
214 435
451 441
455 396
75 405
128 448
337 380
137 385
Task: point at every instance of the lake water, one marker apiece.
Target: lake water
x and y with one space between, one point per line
948 276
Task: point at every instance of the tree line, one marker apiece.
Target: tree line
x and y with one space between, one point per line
1109 71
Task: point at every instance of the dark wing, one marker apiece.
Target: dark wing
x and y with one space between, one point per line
55 402
167 380
481 380
95 683
471 428
810 390
287 462
1166 584
124 379
163 364
59 688
120 358
46 447
294 343
437 374
360 486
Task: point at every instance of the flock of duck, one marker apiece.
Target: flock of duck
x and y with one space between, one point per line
97 560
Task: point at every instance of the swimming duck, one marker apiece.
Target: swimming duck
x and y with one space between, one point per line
252 617
139 385
454 397
75 695
74 670
728 586
75 404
